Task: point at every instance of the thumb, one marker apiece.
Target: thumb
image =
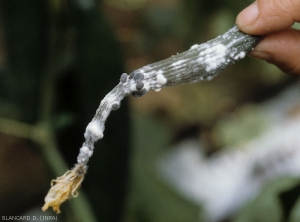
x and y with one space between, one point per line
268 16
281 49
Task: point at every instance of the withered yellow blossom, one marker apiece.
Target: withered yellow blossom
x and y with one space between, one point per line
63 187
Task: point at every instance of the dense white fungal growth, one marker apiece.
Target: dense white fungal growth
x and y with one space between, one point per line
194 46
86 150
213 57
200 62
161 80
133 87
241 55
94 130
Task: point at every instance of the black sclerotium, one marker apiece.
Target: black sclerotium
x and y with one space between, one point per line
115 106
139 85
132 74
139 93
123 77
138 77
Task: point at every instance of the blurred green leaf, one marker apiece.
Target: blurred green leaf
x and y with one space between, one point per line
267 206
25 30
247 123
150 198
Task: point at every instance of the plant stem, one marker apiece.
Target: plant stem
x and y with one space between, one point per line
200 62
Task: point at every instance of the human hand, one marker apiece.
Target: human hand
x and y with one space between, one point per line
273 19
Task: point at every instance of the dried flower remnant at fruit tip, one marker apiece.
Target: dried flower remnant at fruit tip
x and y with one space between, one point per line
62 188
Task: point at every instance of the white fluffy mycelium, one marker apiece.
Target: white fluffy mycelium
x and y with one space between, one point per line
201 62
213 57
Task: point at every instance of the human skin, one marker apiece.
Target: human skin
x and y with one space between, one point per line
273 20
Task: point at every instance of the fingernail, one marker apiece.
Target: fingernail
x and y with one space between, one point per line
249 15
259 54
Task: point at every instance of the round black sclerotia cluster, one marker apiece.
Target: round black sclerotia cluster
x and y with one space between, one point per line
138 77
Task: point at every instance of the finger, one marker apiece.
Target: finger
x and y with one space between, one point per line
268 16
281 49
